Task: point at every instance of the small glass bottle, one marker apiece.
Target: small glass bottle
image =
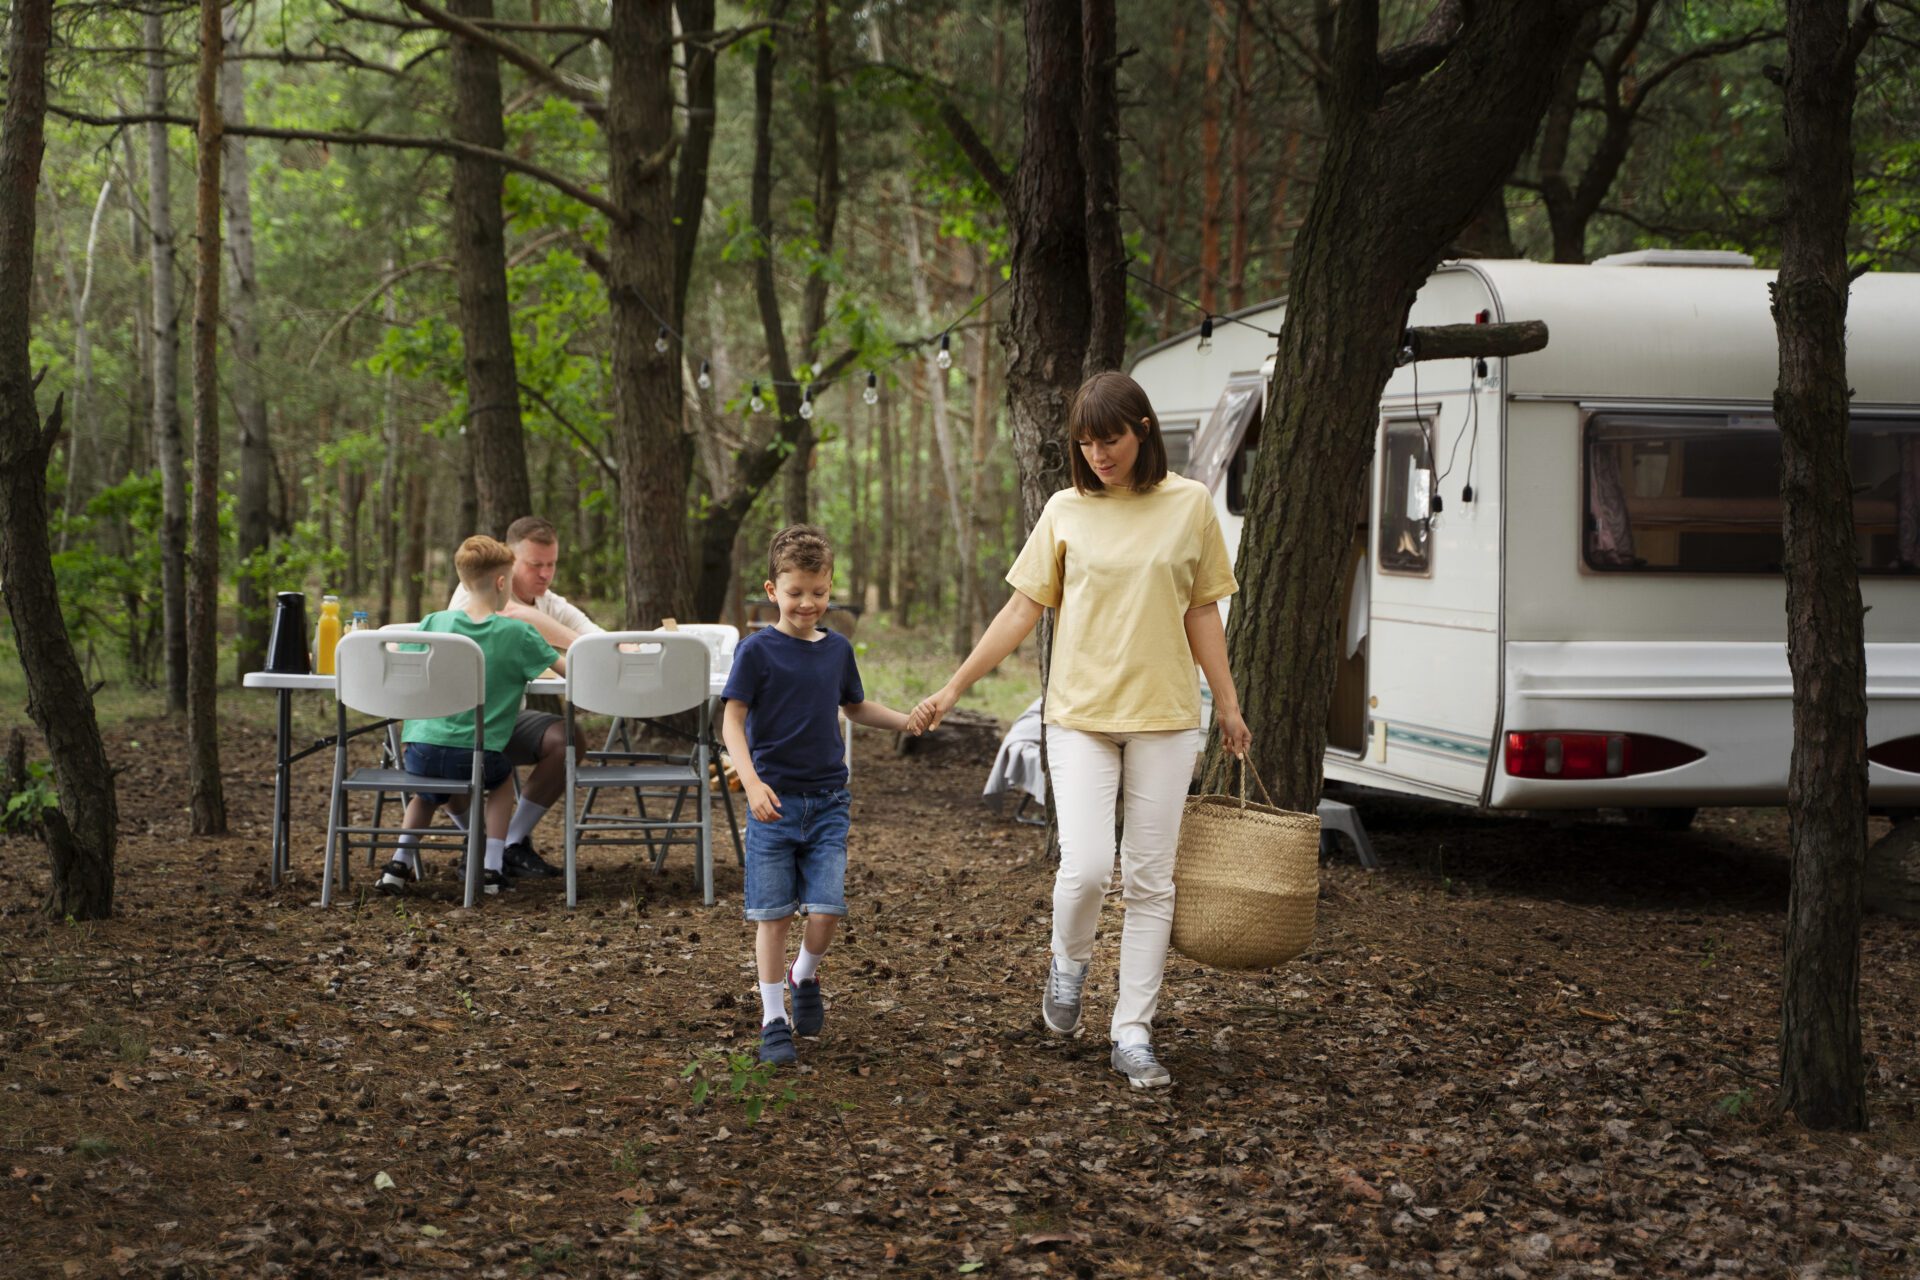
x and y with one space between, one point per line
327 635
359 620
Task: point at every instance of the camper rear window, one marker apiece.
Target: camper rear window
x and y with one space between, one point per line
1700 493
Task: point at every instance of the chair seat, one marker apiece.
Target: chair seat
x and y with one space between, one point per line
637 775
401 780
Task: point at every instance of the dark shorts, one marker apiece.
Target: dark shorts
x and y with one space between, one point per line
529 727
432 761
798 862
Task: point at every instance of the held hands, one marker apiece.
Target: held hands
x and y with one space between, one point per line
1234 734
931 711
762 801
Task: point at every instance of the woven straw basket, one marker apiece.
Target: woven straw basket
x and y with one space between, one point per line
1246 881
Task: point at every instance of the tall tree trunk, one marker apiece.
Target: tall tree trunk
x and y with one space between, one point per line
392 508
1170 144
979 496
884 571
1210 198
1282 228
650 446
80 834
480 267
1416 137
138 455
167 435
208 803
416 570
86 468
251 514
826 209
1100 159
1240 155
942 432
1822 1074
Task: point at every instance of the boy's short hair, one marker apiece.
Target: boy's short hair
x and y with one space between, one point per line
1106 406
479 557
799 548
532 529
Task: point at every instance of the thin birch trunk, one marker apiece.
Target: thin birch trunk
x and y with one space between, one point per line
169 444
83 399
249 396
205 795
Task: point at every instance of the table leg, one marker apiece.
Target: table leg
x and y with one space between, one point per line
277 864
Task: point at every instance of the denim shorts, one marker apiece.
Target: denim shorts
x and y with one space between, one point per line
430 760
798 862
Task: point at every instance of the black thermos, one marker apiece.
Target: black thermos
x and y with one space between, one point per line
287 648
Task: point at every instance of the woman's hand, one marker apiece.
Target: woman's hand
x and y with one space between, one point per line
932 710
1234 734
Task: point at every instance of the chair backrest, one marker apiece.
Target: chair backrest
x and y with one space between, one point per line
410 675
720 637
635 674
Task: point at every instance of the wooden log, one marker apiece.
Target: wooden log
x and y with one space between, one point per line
1454 341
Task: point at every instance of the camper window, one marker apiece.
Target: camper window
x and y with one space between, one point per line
1178 437
1405 495
1700 493
1241 468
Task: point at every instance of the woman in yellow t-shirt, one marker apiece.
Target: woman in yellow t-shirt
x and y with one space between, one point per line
1132 561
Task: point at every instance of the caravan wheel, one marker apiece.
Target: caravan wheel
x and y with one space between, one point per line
1662 819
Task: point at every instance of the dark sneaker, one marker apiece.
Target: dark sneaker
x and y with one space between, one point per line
776 1043
1060 999
809 1010
396 877
523 860
1142 1070
493 882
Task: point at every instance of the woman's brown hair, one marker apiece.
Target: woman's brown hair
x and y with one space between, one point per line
1106 405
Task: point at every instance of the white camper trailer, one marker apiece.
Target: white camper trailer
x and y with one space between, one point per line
1566 592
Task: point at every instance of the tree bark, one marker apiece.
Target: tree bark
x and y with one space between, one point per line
1416 137
1100 159
205 797
884 425
1210 195
1822 1073
251 504
962 635
86 468
1240 156
480 267
80 834
167 435
392 508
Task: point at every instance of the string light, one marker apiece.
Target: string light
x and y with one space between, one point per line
872 394
756 403
819 367
706 376
1206 333
806 403
945 358
660 343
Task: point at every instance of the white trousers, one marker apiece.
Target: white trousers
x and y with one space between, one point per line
1090 772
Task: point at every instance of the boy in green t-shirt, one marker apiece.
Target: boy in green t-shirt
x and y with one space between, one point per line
443 748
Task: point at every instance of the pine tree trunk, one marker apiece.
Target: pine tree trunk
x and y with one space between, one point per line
392 508
249 400
884 571
1210 195
416 568
205 796
1240 156
169 445
80 834
1408 160
1822 1073
1100 160
480 266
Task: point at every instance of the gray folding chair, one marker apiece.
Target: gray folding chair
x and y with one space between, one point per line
406 675
635 675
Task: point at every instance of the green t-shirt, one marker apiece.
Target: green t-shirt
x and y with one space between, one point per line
515 654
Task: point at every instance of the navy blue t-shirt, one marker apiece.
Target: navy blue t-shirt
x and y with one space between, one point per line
794 690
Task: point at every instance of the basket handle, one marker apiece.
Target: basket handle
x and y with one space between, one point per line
1242 766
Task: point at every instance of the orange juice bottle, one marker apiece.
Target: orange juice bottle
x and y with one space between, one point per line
327 635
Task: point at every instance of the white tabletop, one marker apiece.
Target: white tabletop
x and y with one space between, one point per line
716 682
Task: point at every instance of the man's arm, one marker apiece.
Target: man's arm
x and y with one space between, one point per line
571 616
552 630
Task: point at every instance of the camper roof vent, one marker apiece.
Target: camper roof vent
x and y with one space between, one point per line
1676 258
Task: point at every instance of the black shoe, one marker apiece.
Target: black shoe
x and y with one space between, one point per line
522 860
395 878
493 882
776 1043
809 1009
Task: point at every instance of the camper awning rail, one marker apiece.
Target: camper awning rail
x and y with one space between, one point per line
1759 408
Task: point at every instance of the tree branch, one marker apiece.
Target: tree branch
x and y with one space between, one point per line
1452 341
968 138
446 146
487 24
1858 35
1427 50
589 100
586 446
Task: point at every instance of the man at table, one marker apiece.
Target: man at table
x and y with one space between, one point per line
539 738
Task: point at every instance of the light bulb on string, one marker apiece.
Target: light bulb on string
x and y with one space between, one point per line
818 369
1206 333
806 403
660 343
706 376
756 403
945 358
872 394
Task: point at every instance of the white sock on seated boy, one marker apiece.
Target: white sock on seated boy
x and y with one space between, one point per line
526 816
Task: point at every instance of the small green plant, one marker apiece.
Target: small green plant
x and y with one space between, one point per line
31 801
466 1002
1710 952
94 1148
626 1161
1733 1103
637 1221
751 1082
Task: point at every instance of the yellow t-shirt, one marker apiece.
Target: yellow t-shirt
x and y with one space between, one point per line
1121 569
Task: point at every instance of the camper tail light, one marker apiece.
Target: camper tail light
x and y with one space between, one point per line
1572 755
1899 753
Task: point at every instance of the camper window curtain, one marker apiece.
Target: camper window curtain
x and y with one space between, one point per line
1700 493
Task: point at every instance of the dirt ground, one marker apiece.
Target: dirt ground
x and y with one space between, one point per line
1522 1049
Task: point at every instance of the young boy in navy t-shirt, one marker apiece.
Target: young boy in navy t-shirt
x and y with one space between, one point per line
789 685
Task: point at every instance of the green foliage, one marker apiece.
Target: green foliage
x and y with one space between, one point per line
753 1084
109 577
26 806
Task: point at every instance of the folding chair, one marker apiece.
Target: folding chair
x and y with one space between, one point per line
405 675
634 675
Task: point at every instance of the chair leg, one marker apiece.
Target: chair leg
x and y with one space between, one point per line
706 831
572 831
336 818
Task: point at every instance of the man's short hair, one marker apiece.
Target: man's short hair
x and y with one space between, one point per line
479 558
532 529
799 548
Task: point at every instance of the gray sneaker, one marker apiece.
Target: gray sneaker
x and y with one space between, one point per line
1142 1070
1060 999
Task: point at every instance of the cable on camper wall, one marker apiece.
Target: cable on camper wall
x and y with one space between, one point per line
1476 369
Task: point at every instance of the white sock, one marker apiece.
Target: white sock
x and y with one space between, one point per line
457 820
525 818
496 854
773 1001
805 965
409 851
